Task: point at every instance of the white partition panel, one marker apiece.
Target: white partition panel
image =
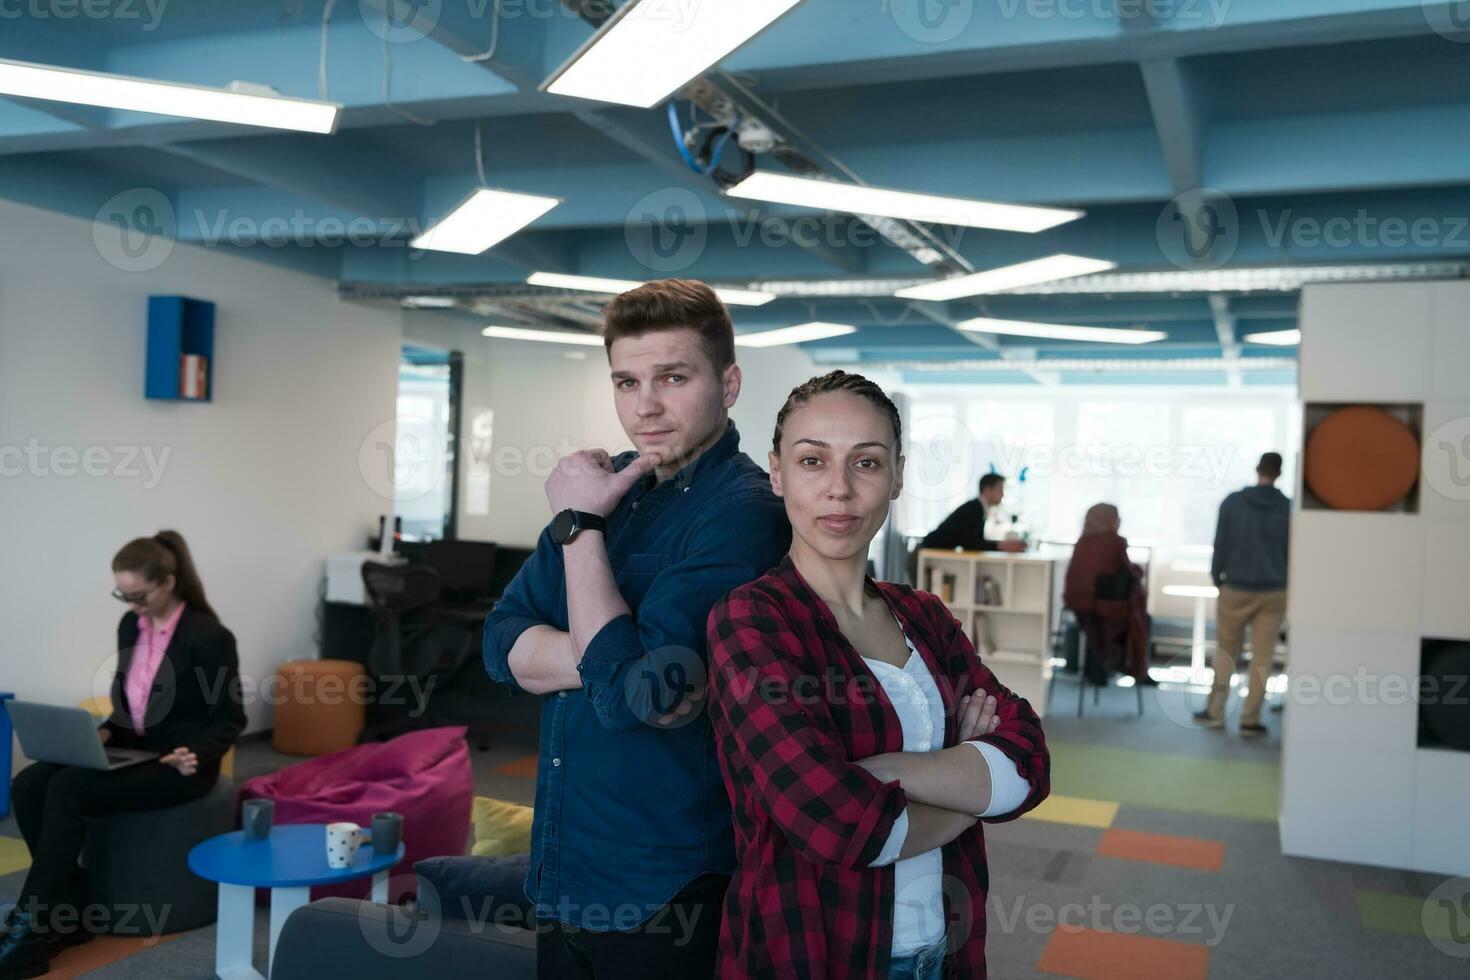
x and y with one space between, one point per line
1367 588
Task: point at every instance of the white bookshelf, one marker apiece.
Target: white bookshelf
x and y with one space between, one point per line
1011 635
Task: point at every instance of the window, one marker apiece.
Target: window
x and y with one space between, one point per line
425 484
1165 457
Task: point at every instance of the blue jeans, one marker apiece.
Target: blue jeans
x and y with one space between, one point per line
926 964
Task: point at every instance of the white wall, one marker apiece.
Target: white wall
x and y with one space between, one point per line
542 404
263 482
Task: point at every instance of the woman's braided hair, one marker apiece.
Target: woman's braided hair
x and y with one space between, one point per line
854 384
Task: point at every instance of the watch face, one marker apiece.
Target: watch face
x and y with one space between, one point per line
563 526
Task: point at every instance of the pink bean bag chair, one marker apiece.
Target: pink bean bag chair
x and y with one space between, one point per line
423 775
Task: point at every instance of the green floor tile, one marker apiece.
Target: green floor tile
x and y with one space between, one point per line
1410 916
1245 790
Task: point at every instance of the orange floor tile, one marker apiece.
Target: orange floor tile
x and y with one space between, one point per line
1091 955
1182 852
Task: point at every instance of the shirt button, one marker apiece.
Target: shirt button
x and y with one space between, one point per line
556 763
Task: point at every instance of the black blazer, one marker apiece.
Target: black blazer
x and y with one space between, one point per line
965 528
195 701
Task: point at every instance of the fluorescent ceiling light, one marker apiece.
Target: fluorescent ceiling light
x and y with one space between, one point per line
743 297
1056 331
591 284
484 219
810 192
544 336
794 335
649 49
834 287
1266 279
612 287
430 302
25 80
1088 365
1006 277
1276 338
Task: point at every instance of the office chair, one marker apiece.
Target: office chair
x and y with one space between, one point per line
396 592
411 638
1108 588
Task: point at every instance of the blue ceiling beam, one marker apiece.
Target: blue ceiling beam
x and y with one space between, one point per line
1044 168
1404 147
1173 96
512 46
346 178
271 216
883 43
415 266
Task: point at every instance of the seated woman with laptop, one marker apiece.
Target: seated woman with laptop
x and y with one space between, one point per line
176 699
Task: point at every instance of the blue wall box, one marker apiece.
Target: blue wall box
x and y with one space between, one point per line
178 325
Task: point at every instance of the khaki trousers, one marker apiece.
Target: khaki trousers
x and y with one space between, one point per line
1235 609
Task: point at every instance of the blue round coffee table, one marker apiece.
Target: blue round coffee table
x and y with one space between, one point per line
288 862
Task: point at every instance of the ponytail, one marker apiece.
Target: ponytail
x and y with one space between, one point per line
160 556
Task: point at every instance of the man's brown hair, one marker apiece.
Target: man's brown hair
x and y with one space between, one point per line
668 304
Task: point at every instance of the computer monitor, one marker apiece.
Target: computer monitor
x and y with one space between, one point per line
465 567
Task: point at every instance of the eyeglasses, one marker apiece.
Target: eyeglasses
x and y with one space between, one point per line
133 598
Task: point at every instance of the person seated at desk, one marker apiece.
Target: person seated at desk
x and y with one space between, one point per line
176 691
1104 589
965 528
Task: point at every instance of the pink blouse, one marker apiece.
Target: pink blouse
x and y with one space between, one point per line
147 656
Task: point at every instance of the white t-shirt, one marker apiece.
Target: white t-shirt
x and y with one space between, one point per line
918 906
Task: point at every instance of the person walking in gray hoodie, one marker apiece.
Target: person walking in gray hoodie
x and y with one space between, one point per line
1249 568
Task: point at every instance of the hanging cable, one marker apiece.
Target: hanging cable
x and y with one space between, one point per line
678 131
489 52
720 138
479 155
321 71
387 87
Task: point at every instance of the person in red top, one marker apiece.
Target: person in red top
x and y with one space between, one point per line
1105 590
861 739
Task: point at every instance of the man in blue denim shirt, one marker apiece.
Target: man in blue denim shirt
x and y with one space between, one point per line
632 845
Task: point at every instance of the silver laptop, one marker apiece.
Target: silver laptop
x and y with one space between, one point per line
55 733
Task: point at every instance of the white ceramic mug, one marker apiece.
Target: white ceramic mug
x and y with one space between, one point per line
342 843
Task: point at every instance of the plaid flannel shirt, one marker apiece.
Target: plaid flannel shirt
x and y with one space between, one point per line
793 706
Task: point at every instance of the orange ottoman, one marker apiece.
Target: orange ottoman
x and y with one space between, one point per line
320 706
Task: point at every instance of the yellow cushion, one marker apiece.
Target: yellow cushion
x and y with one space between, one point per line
99 707
501 828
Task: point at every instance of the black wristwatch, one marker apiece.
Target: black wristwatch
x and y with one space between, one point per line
569 523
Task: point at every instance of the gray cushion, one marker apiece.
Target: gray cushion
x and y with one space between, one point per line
340 937
479 889
138 863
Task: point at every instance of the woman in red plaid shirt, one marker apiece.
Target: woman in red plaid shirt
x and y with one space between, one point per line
861 739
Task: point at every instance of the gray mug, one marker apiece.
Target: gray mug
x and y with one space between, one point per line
255 818
387 831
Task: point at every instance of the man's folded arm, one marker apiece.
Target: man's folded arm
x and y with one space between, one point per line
650 671
522 648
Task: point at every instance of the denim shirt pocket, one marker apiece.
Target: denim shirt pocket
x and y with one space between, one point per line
636 573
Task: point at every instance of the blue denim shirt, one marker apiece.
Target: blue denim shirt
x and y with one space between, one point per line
629 810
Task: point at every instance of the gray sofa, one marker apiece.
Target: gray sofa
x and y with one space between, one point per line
366 941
